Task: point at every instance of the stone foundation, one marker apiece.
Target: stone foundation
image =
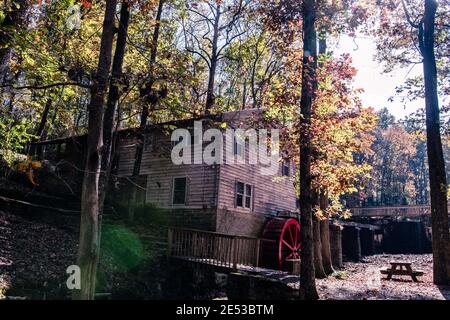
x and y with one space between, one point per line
238 223
243 286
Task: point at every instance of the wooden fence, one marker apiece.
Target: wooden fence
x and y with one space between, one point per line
400 211
214 248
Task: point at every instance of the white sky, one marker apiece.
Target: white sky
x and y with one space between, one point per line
378 87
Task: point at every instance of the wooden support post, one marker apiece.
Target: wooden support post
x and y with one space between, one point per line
234 253
351 243
258 246
169 242
367 242
194 246
336 245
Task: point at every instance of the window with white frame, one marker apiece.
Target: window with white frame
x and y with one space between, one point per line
179 191
244 195
285 168
239 146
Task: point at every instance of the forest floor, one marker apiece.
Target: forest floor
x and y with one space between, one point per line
34 257
363 281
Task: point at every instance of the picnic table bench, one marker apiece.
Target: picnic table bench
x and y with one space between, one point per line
401 269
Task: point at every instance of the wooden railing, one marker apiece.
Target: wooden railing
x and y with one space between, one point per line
214 248
400 211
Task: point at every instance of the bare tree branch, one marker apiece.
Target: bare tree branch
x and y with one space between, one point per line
42 87
408 17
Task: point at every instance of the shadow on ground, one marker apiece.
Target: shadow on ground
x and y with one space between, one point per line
445 290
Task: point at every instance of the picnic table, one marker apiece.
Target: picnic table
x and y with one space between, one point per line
401 268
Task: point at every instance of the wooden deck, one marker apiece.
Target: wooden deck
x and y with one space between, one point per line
213 248
224 253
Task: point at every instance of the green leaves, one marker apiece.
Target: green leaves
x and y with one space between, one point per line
13 137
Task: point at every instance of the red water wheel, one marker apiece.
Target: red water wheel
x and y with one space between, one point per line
285 244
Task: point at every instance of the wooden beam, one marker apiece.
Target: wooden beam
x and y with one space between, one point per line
392 211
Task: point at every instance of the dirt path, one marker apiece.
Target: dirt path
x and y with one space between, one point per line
362 280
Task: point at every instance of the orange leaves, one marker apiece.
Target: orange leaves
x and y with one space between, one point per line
341 128
27 166
400 141
86 3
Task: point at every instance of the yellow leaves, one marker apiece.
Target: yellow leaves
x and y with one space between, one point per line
319 214
420 135
341 128
29 61
85 3
346 214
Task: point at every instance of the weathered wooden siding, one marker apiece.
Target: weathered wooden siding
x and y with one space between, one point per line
201 219
269 196
271 193
126 151
239 223
211 187
158 166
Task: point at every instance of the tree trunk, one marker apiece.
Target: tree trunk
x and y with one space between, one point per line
252 81
323 224
322 42
244 94
336 245
309 84
318 264
213 62
436 164
112 102
13 20
44 118
40 130
325 235
88 250
144 118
